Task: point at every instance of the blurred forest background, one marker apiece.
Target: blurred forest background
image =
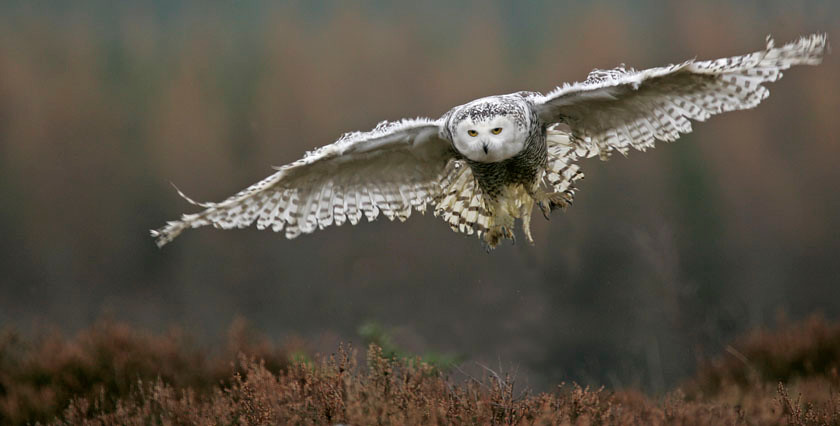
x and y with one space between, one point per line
664 257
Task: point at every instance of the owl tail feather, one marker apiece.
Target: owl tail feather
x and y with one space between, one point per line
468 210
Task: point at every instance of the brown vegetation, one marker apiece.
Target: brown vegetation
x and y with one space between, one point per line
109 362
113 374
804 350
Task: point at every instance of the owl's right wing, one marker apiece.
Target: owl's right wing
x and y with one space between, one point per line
391 169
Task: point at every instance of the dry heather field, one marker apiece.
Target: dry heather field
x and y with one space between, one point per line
114 374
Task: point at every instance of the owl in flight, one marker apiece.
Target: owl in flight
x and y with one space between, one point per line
485 164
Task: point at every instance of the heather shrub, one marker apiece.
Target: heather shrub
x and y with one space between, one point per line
335 390
113 374
104 363
794 352
375 333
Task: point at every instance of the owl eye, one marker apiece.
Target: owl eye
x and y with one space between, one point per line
472 133
496 131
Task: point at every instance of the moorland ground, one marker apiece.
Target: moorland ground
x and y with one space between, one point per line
112 373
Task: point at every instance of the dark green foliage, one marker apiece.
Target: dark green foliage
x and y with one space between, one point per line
375 333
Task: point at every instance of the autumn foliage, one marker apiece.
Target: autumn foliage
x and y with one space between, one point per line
114 374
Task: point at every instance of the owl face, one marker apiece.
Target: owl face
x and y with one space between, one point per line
488 132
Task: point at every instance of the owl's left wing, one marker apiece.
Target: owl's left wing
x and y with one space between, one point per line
623 108
391 169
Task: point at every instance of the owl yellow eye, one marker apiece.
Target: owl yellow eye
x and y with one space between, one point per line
472 133
496 131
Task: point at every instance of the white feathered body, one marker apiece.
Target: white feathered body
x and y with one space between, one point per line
485 164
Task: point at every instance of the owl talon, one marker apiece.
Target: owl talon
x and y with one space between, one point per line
556 200
546 211
508 233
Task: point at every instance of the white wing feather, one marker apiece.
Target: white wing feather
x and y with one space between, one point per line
623 108
391 169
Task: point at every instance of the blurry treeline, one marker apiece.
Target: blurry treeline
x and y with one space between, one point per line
664 256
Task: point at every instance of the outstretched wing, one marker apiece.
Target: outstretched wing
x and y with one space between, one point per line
622 108
391 169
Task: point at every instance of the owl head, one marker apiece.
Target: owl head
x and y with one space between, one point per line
490 130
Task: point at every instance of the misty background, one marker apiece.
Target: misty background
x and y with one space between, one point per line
664 257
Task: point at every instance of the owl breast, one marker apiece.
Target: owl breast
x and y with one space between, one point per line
523 168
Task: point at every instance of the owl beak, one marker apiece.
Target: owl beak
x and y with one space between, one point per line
485 148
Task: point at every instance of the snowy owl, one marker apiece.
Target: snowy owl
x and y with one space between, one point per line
485 164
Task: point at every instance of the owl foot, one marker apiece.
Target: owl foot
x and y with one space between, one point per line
492 238
500 231
550 201
508 233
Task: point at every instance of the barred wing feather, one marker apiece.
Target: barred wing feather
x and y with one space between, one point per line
392 169
623 108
